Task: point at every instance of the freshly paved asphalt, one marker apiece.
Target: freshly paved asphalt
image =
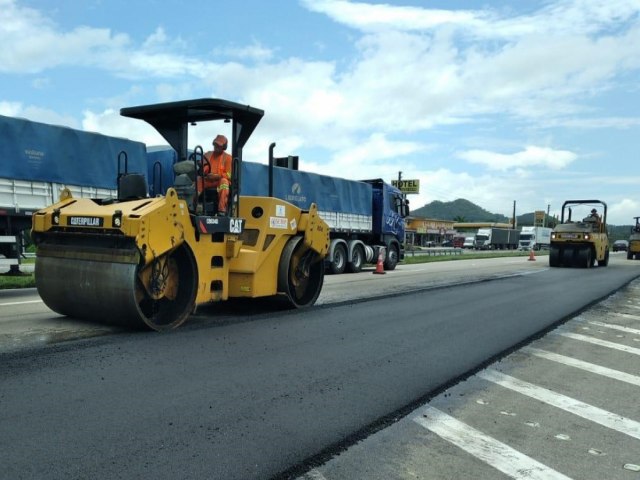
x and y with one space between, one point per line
262 394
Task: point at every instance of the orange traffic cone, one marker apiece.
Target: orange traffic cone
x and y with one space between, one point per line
531 255
379 266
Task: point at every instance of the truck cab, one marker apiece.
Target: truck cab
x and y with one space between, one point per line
483 239
389 208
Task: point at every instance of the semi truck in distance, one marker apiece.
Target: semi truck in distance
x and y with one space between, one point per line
365 218
497 239
38 160
534 238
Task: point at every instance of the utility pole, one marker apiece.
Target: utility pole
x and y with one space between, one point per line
514 214
545 218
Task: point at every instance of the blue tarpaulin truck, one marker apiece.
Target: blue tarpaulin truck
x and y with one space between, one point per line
38 160
363 216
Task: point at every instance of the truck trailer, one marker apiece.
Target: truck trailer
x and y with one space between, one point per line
365 218
497 239
534 238
38 160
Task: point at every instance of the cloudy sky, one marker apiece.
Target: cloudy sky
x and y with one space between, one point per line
535 102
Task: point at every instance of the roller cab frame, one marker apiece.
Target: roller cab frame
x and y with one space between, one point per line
583 241
139 261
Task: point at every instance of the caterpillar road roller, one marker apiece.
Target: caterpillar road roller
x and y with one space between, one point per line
582 242
634 241
147 262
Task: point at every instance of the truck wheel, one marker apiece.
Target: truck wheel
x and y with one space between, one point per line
357 259
554 257
338 260
392 258
629 255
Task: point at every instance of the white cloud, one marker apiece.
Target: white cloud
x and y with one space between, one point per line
10 109
109 122
622 212
38 114
564 17
367 16
255 51
415 71
32 43
410 76
531 156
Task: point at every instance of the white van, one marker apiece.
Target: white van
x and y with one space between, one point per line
469 242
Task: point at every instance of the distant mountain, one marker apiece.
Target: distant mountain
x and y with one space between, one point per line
460 209
465 211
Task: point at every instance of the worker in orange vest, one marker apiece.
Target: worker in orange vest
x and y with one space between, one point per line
217 172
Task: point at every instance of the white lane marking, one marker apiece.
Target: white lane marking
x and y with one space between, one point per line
19 303
594 414
597 341
492 452
313 475
620 328
523 273
586 366
627 315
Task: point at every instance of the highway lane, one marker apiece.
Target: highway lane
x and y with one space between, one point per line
26 322
561 407
258 395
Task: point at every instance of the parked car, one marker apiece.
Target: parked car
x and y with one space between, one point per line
447 243
620 246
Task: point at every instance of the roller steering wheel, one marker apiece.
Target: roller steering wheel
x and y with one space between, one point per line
204 161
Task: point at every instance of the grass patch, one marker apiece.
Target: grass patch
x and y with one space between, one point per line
410 259
17 281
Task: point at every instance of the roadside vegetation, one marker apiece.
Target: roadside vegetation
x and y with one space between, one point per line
17 281
445 255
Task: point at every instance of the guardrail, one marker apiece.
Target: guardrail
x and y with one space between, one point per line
435 251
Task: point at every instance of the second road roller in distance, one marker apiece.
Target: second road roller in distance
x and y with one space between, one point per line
141 261
634 241
581 242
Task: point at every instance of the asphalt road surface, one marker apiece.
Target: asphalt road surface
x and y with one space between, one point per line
275 393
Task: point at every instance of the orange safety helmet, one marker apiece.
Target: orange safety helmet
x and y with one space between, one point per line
221 141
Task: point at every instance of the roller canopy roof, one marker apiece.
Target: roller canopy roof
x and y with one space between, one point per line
173 118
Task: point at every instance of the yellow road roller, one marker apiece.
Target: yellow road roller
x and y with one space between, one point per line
633 251
147 262
581 241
